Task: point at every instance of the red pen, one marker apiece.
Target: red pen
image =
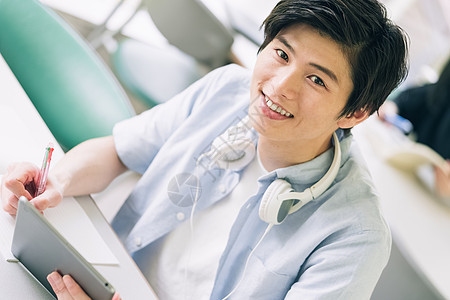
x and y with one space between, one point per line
44 170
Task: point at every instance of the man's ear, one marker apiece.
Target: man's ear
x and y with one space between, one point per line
353 119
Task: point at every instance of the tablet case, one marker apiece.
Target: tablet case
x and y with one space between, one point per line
41 249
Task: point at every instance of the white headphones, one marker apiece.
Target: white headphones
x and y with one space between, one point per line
280 200
234 150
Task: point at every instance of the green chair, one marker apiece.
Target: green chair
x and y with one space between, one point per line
152 74
73 90
197 43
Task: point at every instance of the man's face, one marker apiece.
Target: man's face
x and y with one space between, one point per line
300 84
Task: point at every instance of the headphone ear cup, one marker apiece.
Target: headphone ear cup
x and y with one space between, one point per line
272 210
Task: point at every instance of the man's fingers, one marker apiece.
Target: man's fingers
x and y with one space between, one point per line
9 208
18 181
49 198
58 286
23 172
17 187
74 289
41 204
65 287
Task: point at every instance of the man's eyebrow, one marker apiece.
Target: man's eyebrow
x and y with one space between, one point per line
323 69
326 71
286 43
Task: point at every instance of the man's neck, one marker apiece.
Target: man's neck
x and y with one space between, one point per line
280 154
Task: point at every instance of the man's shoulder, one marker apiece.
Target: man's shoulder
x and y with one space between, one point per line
227 84
233 68
231 73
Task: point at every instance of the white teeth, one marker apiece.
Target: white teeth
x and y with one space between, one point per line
276 108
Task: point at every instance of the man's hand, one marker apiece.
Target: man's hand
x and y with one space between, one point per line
66 288
21 180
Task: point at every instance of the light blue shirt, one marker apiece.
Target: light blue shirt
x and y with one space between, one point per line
335 247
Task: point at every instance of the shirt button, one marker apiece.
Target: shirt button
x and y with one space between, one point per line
180 216
222 188
138 241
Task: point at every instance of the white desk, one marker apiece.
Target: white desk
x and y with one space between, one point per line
420 224
15 281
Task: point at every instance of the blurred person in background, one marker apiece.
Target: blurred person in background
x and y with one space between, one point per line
427 107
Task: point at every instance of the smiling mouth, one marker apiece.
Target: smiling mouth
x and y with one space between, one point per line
276 108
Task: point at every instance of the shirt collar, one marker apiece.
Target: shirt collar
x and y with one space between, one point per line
303 175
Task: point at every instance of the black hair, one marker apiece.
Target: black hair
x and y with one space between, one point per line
375 47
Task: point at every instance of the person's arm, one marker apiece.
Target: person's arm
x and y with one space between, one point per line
442 181
87 168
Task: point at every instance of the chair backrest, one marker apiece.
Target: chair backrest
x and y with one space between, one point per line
154 74
193 28
73 90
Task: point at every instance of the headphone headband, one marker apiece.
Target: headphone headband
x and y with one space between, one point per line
324 183
280 200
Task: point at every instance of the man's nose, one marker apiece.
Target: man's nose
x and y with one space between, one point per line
287 83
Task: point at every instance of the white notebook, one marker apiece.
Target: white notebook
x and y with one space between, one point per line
398 150
411 156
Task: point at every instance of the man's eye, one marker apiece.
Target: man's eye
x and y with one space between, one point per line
282 54
317 80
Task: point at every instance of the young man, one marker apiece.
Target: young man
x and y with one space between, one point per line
203 220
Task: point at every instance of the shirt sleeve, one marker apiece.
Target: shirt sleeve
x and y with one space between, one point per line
139 139
344 267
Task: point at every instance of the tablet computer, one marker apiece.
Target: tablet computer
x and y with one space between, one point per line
41 249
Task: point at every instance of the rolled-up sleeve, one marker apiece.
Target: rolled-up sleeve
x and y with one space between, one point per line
139 139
